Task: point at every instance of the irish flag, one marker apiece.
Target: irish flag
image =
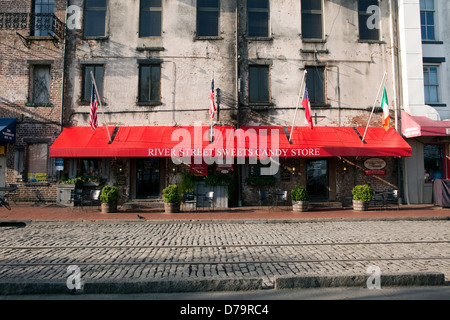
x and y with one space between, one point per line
385 107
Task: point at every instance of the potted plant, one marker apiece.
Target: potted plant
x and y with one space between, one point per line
362 195
109 197
300 199
171 198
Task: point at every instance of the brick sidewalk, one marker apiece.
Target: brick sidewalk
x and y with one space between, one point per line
56 213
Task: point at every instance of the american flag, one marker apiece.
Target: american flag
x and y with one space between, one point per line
212 106
94 106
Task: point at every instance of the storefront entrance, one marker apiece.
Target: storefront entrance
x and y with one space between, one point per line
147 177
317 180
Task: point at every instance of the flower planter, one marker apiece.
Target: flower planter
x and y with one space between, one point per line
300 206
109 207
360 205
172 207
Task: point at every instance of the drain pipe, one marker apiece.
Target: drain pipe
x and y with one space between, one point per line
237 96
394 73
63 72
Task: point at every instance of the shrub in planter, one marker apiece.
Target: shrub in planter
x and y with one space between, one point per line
300 199
362 195
171 198
109 197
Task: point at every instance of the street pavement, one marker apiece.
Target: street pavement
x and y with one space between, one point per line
50 249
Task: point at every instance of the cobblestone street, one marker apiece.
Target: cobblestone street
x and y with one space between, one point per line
145 251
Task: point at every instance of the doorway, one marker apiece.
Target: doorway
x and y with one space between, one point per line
317 180
148 178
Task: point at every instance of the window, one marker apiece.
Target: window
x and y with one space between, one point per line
312 19
367 29
97 70
150 83
91 167
258 18
431 84
37 162
315 83
433 161
207 18
42 23
41 84
94 18
150 18
427 19
259 84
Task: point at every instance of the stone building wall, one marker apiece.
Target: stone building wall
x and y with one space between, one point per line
21 55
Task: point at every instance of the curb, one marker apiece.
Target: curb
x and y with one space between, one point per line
386 280
36 287
23 223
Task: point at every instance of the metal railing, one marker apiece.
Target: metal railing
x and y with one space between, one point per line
39 24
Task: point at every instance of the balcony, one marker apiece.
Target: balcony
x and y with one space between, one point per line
38 24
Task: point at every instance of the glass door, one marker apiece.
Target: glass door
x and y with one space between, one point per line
147 178
317 182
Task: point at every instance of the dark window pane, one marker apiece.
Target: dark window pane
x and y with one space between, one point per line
41 84
258 4
150 24
259 84
155 90
95 3
364 4
430 33
430 18
311 26
315 84
149 83
42 23
258 24
94 23
97 70
208 3
150 3
144 84
207 23
311 5
434 161
364 32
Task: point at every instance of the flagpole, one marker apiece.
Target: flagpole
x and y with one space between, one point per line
298 101
211 133
100 103
374 103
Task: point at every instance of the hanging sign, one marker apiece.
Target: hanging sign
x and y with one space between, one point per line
59 164
375 172
198 169
375 164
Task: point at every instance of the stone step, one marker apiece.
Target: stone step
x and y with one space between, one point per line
144 204
325 204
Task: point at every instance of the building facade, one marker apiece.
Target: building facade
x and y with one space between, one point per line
154 61
425 97
31 90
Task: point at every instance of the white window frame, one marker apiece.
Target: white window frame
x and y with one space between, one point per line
427 85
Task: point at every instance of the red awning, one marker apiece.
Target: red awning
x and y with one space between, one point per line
192 141
148 141
415 126
81 142
331 142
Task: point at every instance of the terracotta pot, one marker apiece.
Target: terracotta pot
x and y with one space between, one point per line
172 207
109 207
360 205
300 206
